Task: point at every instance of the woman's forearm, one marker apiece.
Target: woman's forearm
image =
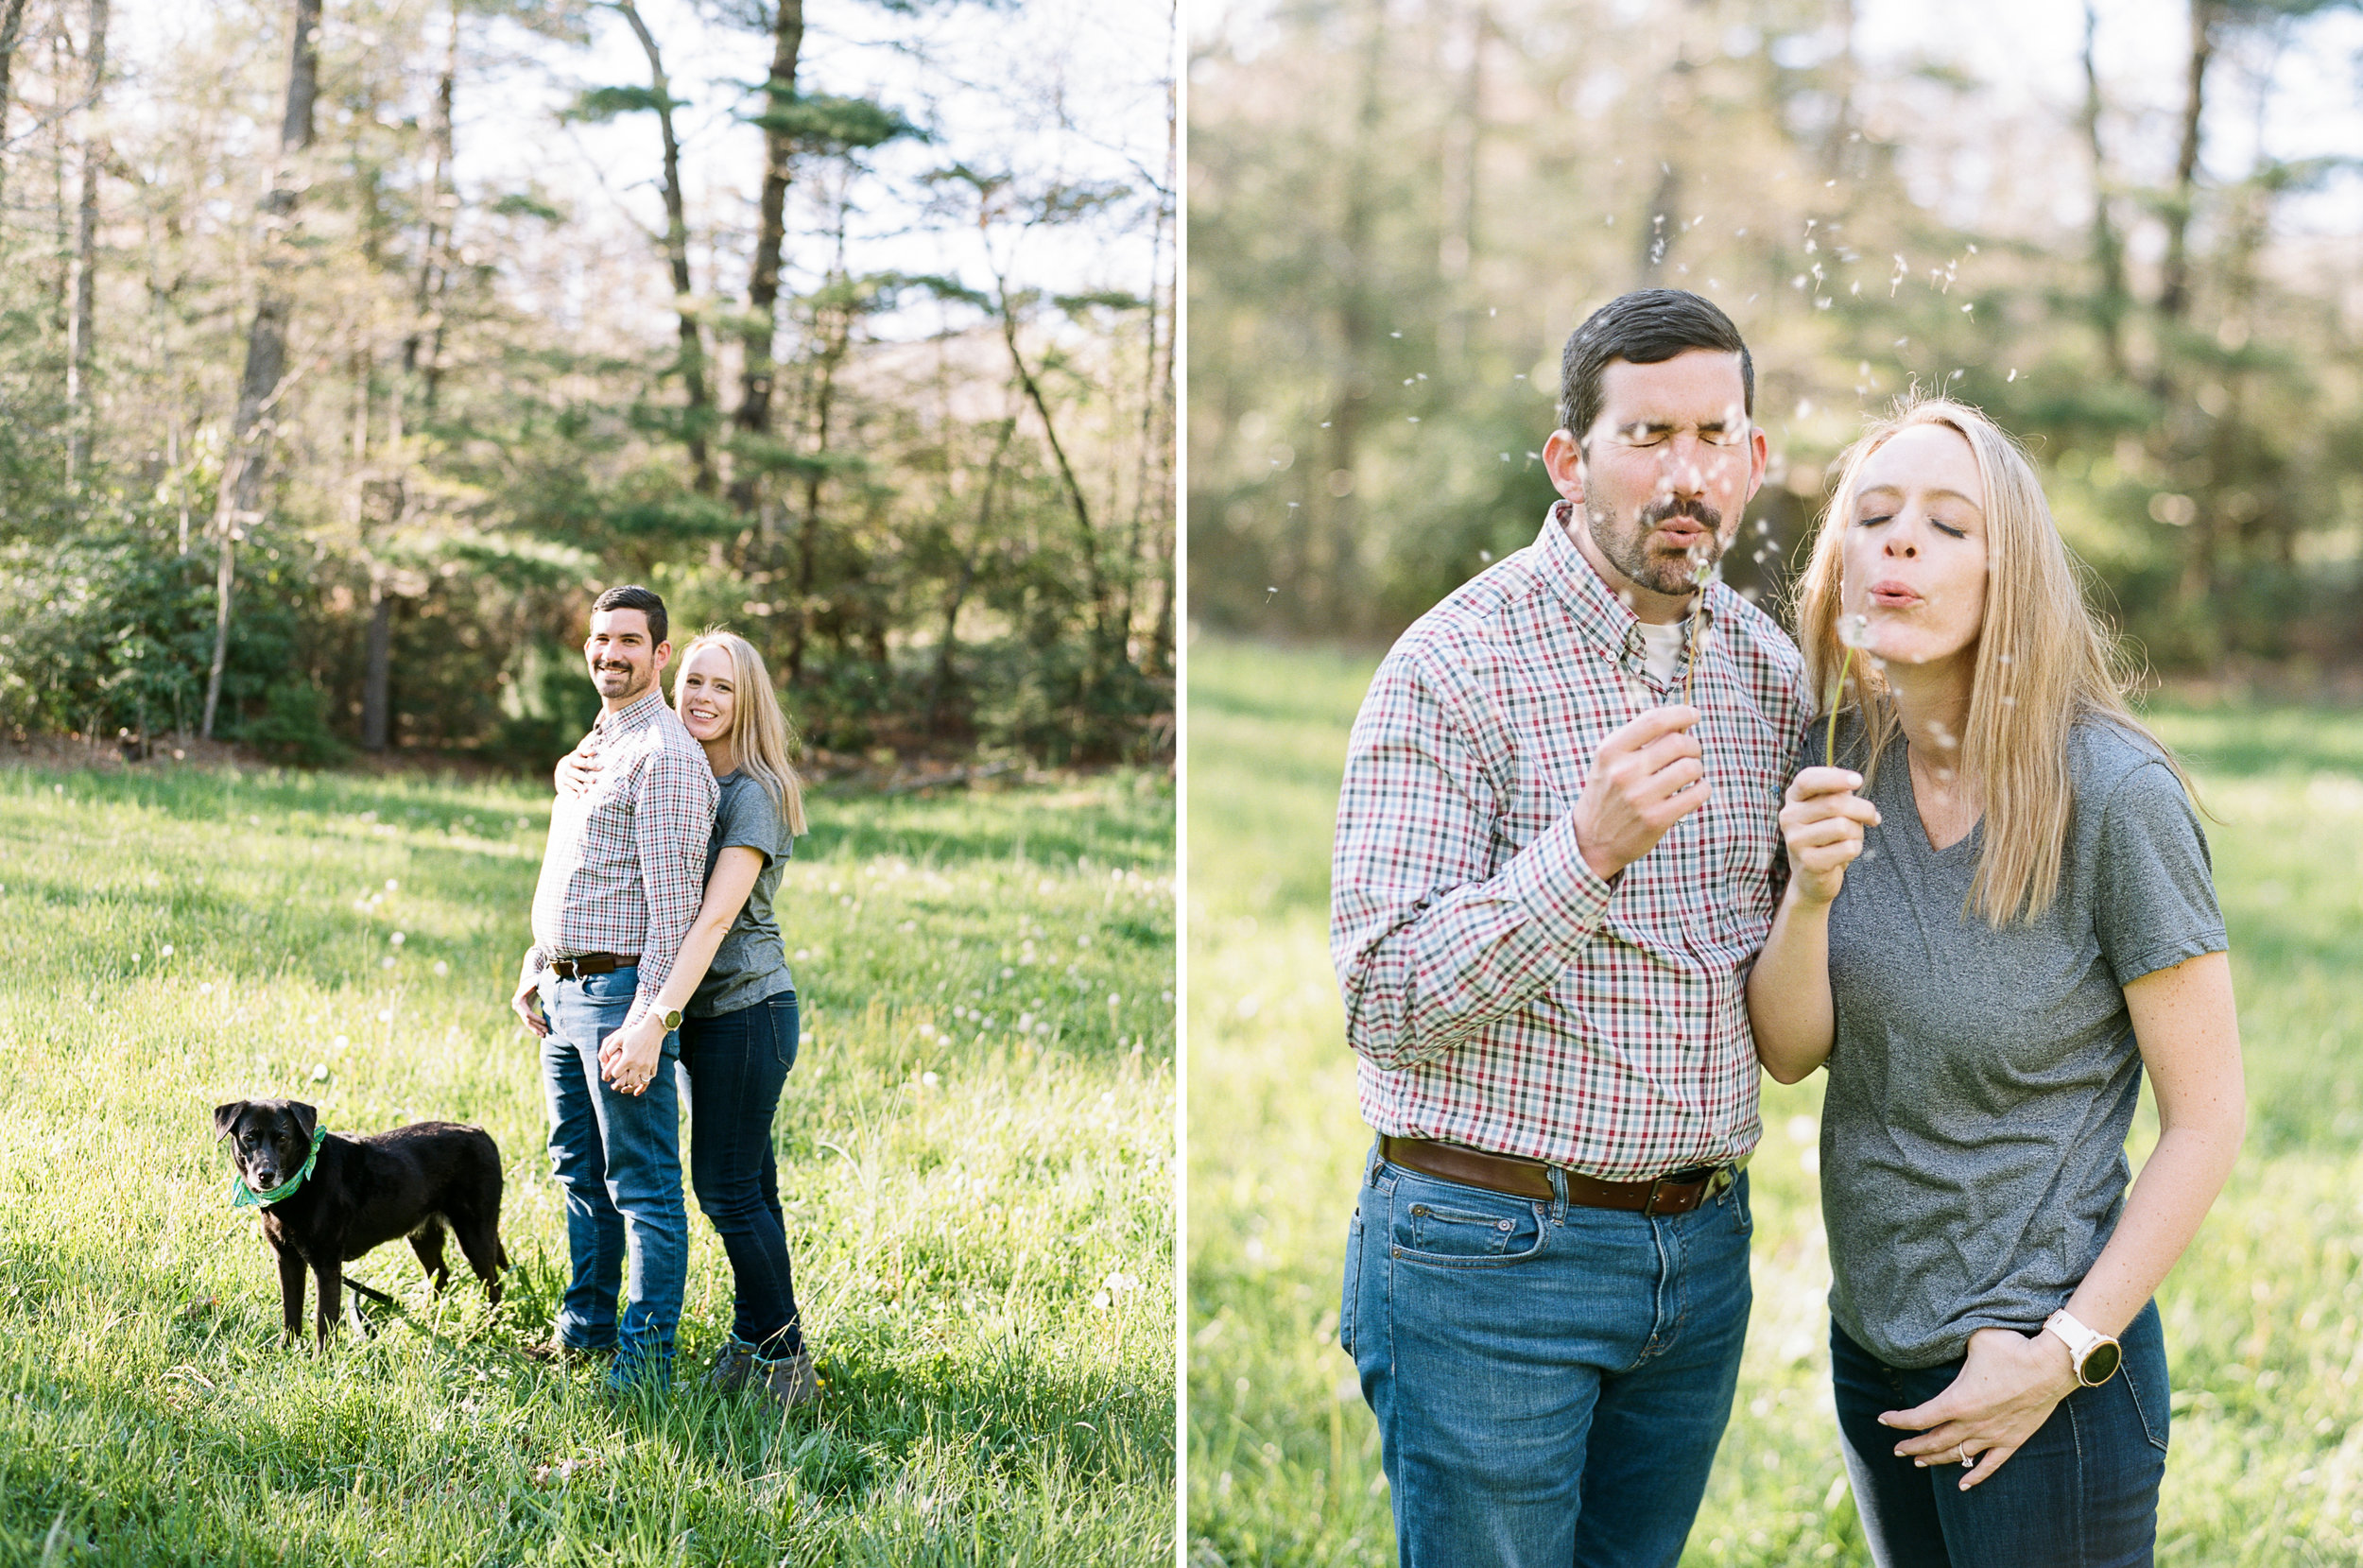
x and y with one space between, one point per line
696 957
1788 990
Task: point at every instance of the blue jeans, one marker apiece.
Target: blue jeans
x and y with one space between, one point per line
2082 1493
1550 1380
735 1064
618 1159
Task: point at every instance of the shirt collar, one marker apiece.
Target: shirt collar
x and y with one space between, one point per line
1602 616
640 712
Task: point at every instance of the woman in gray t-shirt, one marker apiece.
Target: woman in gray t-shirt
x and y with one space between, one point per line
1998 914
734 1001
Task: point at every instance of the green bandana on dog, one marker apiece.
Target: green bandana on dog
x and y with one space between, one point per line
242 1196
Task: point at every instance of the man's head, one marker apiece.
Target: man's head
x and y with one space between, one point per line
626 648
1655 445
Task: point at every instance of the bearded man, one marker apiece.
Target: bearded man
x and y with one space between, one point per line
1554 867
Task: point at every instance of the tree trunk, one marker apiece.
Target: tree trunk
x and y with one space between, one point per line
941 685
259 388
11 34
422 350
1087 536
2174 291
753 417
692 356
376 686
1152 480
1329 590
79 339
834 348
2110 297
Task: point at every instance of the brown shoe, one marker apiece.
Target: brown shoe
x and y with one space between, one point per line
788 1379
733 1365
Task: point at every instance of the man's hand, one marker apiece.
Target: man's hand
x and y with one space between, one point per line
1646 777
2008 1386
627 1057
1822 822
578 770
527 1003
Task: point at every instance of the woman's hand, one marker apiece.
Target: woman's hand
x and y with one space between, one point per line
627 1057
1822 822
578 770
2009 1384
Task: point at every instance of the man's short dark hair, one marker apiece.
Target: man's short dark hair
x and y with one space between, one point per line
633 597
1647 327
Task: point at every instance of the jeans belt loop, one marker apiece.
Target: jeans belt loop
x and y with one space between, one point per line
1559 1194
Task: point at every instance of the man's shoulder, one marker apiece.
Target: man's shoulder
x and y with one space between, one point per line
1755 634
1467 624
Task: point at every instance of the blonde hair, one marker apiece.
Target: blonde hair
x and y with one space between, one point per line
2044 660
759 731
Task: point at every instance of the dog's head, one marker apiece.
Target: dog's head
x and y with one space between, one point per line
270 1140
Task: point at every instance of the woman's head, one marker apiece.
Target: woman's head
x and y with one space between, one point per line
1938 537
723 694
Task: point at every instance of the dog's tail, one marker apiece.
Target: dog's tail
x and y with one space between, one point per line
359 1288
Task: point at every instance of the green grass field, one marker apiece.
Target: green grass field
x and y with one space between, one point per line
975 1154
2265 1466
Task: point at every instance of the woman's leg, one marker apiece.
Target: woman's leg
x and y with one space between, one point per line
1895 1499
736 1063
2083 1491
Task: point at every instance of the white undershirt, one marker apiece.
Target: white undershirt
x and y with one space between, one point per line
1661 647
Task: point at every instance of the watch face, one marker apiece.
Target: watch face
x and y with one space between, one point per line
2101 1364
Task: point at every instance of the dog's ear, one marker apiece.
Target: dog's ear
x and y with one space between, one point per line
226 1117
305 1119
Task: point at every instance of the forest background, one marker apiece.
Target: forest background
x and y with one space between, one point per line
345 349
2129 230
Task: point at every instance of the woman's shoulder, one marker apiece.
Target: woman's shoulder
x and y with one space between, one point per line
2107 754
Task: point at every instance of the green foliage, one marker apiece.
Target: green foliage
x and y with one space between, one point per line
820 123
974 1149
293 725
2261 1316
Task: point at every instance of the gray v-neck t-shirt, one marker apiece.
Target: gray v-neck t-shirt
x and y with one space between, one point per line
751 963
1981 1081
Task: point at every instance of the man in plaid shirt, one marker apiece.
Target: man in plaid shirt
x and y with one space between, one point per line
1553 871
621 880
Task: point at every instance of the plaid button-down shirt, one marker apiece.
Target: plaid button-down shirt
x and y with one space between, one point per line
1500 994
625 867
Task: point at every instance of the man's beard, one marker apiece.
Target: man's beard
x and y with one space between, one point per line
634 685
1626 545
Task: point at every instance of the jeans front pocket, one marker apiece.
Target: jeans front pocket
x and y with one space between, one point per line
1443 1222
2143 1370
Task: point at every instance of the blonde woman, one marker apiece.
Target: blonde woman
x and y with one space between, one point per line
1998 915
736 1004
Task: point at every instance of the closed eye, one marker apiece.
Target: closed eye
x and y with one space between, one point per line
1948 530
1873 521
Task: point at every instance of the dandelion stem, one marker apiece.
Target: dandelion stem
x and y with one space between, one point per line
1698 628
1829 742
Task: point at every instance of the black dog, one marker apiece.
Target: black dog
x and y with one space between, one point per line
362 1193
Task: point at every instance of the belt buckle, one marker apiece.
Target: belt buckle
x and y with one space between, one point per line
1650 1207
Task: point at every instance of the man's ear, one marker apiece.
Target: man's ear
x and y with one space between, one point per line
1563 460
306 1119
226 1117
664 655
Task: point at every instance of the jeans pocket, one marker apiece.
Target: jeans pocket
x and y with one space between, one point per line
1463 1227
1353 1287
781 1010
2150 1401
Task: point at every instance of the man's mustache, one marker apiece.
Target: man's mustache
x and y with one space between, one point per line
1696 511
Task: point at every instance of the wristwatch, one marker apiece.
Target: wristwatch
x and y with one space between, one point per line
2095 1355
672 1022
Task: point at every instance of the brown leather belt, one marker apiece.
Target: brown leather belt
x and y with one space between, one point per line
1676 1194
591 963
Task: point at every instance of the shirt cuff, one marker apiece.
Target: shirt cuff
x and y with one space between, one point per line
1565 897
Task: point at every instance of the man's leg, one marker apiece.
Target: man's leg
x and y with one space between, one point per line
1658 1420
1481 1325
640 1135
595 1231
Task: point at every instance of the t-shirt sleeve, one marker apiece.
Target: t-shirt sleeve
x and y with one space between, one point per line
2154 893
749 820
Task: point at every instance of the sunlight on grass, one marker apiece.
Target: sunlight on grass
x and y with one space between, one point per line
2262 1315
975 1157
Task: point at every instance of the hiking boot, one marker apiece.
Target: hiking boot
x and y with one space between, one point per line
788 1379
733 1365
